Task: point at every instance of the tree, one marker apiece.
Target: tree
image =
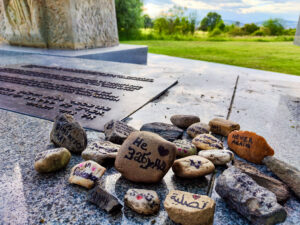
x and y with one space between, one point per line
210 21
161 25
275 26
147 21
129 17
250 28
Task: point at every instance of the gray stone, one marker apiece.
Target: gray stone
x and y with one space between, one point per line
184 121
52 160
256 203
100 151
217 156
277 187
297 37
117 131
70 24
68 133
287 173
142 201
167 131
104 200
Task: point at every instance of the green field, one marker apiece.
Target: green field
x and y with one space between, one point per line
277 56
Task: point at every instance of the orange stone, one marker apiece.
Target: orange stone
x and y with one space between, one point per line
250 146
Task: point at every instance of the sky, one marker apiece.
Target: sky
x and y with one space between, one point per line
245 11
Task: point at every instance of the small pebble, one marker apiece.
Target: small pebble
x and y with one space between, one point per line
198 128
207 141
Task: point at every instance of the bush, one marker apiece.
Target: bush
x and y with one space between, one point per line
237 31
258 33
250 28
215 32
275 26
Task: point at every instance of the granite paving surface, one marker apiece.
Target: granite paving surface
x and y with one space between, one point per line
204 89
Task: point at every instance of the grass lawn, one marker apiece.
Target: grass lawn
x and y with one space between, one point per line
281 57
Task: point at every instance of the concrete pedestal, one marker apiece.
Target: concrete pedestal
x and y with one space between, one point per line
136 54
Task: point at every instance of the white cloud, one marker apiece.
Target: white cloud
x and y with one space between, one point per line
271 7
154 10
194 4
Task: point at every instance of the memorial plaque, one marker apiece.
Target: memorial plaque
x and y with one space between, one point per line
92 97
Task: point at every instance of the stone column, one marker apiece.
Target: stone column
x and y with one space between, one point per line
67 24
297 37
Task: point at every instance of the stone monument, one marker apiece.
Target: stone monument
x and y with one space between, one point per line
66 24
297 37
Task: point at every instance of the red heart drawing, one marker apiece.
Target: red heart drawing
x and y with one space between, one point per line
139 197
196 197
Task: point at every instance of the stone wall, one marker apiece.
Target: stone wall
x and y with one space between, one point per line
297 37
68 24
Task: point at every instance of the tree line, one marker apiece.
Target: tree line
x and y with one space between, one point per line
175 21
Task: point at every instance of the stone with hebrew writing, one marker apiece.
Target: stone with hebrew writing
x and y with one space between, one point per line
100 151
52 160
68 133
189 209
250 146
117 131
185 148
207 141
222 126
184 121
145 157
217 156
142 201
192 167
104 200
86 174
198 128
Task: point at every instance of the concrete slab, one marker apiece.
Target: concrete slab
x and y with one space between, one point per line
136 54
297 37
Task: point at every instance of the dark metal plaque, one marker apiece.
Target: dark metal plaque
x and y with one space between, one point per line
92 97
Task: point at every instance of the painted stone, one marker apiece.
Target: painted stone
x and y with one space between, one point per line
52 160
145 157
222 126
142 201
250 146
69 24
206 142
198 128
192 167
217 156
287 173
68 133
167 131
277 187
104 200
117 131
184 121
86 174
184 148
189 209
100 151
256 203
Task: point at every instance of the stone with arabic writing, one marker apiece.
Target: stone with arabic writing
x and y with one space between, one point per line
104 200
222 126
117 131
250 146
277 187
198 128
189 209
142 201
242 193
52 160
192 167
86 174
184 121
145 157
217 156
206 142
100 151
185 148
68 133
167 131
